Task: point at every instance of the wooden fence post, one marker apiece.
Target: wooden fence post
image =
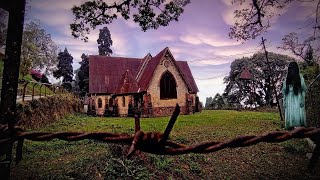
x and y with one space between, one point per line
136 122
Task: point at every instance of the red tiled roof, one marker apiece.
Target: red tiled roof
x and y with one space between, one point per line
185 70
105 72
127 85
245 74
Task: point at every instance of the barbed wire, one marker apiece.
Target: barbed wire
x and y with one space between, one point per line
158 143
153 138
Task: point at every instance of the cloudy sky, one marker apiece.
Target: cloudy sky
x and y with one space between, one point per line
199 37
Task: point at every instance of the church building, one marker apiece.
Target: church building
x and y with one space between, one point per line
150 86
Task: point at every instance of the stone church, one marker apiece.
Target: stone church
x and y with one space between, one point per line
150 86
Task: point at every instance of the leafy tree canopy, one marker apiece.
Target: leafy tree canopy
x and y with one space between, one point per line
83 75
217 102
38 50
65 69
149 14
258 90
104 42
208 102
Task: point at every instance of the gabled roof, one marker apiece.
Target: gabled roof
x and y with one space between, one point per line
127 84
186 72
149 70
105 72
119 75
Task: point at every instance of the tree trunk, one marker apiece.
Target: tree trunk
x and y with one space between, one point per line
11 76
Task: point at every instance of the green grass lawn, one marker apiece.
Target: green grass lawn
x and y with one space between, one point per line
90 159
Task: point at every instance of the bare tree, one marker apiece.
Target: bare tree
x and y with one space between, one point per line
254 19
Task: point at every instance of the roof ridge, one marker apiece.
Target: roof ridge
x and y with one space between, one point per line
143 66
161 52
117 57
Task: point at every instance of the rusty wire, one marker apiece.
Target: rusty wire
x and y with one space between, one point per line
157 143
145 141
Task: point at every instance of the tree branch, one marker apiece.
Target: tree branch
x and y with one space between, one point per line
258 9
97 12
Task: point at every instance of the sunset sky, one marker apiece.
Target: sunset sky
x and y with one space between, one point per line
199 37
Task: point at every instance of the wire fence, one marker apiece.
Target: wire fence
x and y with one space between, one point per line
43 89
158 143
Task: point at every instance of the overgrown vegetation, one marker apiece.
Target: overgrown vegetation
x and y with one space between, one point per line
90 159
40 112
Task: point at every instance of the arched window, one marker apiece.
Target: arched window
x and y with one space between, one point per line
106 100
110 102
168 87
123 101
99 103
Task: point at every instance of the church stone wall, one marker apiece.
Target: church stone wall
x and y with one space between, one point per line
165 107
123 110
100 111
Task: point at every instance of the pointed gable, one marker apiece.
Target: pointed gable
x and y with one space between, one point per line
149 70
127 84
182 67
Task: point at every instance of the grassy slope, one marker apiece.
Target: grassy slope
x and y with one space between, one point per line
90 159
36 89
